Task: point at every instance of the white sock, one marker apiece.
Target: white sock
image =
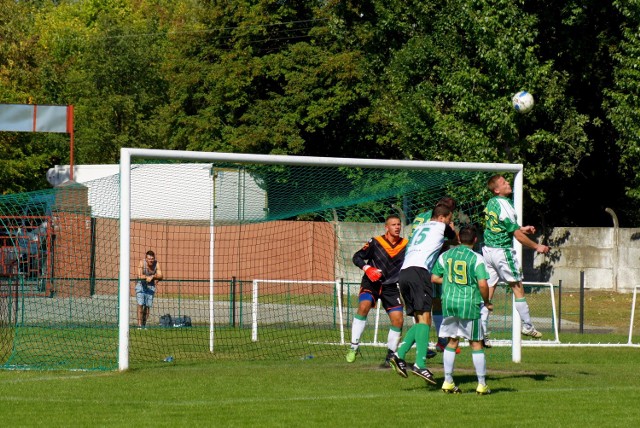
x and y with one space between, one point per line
392 339
356 331
448 361
523 309
480 363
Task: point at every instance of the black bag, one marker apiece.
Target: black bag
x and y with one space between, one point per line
165 321
182 322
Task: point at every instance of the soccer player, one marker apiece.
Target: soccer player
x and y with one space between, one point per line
501 226
380 259
463 276
436 308
416 289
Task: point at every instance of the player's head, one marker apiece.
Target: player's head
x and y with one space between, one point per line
442 213
150 256
393 225
499 186
447 202
468 235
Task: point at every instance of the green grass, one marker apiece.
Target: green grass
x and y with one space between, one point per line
569 387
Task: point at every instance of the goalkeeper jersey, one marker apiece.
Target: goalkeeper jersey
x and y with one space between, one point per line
500 222
384 255
460 269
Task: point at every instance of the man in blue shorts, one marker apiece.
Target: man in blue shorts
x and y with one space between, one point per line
149 273
380 259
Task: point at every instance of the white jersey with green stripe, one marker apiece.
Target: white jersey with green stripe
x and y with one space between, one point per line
424 245
420 219
500 222
461 268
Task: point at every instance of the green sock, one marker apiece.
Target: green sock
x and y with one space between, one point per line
422 344
407 342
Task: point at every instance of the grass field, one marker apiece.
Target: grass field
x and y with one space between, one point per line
551 387
566 387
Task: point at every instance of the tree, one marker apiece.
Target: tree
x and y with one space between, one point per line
24 157
623 102
446 82
262 77
104 57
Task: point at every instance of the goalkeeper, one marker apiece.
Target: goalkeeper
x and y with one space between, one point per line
380 259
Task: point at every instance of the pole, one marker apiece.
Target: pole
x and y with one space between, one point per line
71 139
581 302
616 255
234 295
560 305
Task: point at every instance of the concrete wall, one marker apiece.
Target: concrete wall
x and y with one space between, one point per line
597 251
609 258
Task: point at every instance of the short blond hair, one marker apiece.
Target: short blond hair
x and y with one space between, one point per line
492 183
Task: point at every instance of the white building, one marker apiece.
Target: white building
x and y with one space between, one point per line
170 191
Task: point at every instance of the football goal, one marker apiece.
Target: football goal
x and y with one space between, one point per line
238 224
255 250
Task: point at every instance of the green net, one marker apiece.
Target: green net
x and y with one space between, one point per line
256 259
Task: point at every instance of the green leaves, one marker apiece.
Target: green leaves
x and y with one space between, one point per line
381 79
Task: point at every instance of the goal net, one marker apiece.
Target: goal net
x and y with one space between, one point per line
256 253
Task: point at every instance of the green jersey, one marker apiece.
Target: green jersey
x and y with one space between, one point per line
461 268
500 223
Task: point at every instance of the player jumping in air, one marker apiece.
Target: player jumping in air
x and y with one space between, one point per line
501 226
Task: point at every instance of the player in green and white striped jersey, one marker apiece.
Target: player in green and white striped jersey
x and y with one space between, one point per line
463 275
501 226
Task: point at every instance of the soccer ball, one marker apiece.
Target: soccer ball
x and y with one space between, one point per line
522 102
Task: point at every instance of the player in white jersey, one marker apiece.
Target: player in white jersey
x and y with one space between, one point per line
436 308
463 276
417 292
501 226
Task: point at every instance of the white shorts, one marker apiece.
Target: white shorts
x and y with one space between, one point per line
462 329
502 265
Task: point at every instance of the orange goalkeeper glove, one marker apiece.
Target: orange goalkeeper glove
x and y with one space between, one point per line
374 274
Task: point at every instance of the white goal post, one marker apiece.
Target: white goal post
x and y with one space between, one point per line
255 299
125 210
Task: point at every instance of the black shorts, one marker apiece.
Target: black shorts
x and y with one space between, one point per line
416 289
388 294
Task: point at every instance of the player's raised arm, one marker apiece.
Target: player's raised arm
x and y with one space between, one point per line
527 242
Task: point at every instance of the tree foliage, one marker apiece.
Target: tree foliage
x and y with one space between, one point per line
351 78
